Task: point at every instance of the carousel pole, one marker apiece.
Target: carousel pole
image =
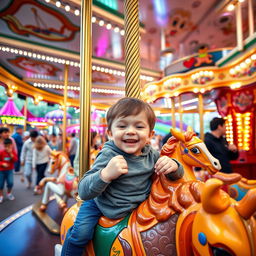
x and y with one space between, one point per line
250 18
64 121
201 114
239 28
131 45
25 112
85 86
180 111
173 113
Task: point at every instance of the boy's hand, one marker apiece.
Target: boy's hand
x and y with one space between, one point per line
5 165
115 167
165 165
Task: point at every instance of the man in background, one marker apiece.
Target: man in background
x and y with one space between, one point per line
17 136
218 145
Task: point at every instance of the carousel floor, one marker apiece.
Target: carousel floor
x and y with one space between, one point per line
23 234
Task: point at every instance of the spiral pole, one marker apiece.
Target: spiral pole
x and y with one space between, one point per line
132 53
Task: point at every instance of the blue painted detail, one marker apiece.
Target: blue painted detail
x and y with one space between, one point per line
202 238
186 150
240 192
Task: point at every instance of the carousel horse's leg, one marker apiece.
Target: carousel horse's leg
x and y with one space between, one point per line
58 189
62 201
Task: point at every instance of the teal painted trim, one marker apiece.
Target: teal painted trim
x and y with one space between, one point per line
247 46
39 44
112 11
105 237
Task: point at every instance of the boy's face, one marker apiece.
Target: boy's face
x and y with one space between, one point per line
8 147
131 133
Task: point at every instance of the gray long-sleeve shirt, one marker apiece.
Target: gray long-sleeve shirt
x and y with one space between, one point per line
119 197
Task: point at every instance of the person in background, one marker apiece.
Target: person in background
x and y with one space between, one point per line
40 160
60 143
53 143
8 157
72 148
165 138
26 136
26 156
218 145
17 136
121 176
4 134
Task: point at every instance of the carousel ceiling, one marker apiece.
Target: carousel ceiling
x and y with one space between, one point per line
39 37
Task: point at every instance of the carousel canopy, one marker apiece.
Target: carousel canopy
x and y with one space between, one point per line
10 115
10 109
32 118
57 115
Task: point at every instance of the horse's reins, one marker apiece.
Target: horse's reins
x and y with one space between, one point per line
185 151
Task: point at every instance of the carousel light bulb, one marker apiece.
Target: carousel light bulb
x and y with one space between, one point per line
77 12
67 8
230 7
116 29
58 4
101 23
94 19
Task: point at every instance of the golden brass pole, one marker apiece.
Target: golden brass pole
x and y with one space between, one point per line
239 28
201 114
85 86
64 121
250 18
25 113
131 45
173 113
180 111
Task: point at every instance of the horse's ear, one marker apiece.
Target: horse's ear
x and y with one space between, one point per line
214 199
178 135
190 129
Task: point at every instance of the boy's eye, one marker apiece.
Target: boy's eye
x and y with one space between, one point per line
140 127
121 126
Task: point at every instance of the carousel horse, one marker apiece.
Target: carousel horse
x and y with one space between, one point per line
177 218
64 185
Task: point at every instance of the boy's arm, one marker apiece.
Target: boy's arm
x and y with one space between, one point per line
91 185
23 152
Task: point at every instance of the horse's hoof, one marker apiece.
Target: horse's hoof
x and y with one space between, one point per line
43 207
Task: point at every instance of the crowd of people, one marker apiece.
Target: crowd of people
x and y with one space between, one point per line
28 153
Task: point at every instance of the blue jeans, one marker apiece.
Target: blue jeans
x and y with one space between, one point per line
8 177
83 229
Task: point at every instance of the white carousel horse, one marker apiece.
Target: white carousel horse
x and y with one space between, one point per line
64 185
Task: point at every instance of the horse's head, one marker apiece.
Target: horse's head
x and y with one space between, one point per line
57 160
190 151
223 226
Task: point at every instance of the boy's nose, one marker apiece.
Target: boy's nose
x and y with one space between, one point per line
130 130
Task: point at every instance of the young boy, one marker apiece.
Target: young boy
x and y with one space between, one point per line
8 157
120 178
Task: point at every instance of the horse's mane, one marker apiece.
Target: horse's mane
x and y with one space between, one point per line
167 198
169 147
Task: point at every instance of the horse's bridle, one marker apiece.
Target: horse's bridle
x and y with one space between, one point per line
185 151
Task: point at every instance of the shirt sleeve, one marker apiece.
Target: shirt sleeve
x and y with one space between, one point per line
91 185
23 152
178 174
34 158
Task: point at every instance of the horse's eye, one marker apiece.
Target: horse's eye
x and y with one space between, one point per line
195 150
53 162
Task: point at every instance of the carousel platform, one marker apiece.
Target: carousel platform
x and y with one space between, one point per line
24 234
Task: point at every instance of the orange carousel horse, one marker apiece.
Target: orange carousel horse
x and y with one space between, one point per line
185 217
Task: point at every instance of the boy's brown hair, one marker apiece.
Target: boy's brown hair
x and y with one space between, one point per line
130 106
40 142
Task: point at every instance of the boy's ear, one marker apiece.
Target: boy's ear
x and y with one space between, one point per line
151 134
109 133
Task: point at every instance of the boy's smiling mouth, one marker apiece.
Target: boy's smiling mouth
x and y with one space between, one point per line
130 141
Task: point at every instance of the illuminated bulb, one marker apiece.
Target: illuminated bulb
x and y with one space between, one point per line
101 23
93 19
231 7
77 12
58 4
67 8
